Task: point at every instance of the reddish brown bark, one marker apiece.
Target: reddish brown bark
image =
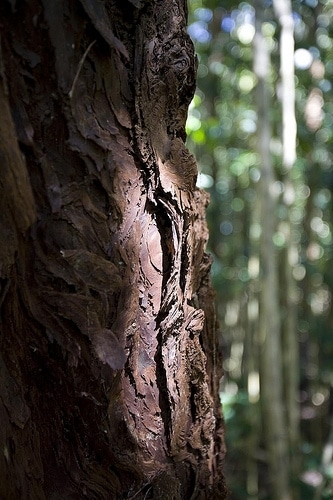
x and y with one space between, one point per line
109 364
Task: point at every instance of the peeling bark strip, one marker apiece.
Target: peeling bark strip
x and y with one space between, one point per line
109 365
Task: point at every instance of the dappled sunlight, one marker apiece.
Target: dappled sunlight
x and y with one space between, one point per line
313 110
303 59
253 387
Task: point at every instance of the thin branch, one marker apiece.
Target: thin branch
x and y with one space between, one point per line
70 93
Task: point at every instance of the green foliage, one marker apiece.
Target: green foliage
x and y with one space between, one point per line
221 129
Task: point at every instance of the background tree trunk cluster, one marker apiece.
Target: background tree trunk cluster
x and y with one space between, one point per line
109 362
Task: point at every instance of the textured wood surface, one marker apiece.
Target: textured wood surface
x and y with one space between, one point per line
109 365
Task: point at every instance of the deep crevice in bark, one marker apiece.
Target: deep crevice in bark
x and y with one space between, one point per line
161 380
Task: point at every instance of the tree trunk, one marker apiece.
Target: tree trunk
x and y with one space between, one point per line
271 374
289 256
109 362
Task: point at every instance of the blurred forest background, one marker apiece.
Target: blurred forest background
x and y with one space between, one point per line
263 68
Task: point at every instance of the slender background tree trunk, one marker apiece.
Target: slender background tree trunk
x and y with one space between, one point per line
271 373
290 257
109 360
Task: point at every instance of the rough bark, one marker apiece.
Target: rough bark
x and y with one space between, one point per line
109 365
